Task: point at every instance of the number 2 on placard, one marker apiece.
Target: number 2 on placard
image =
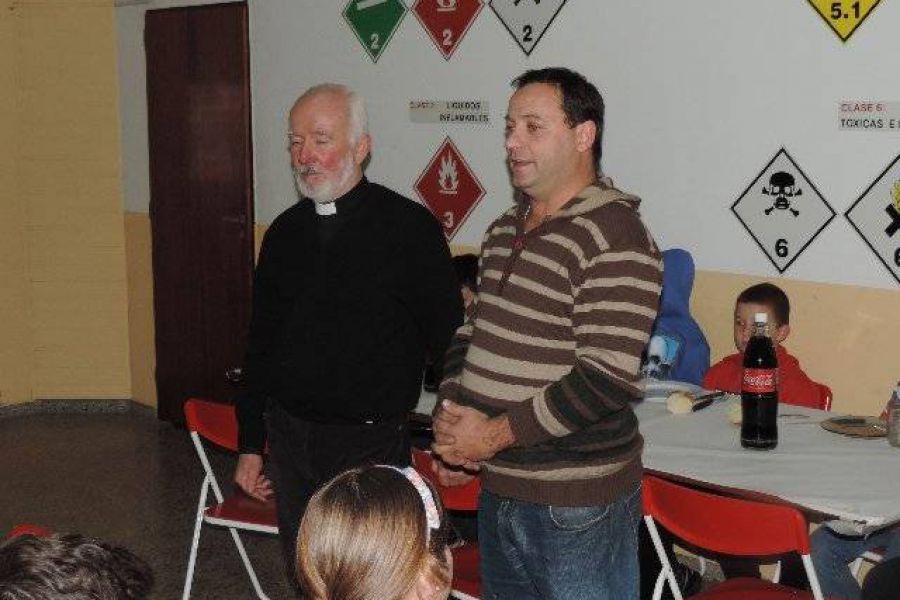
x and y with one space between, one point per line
375 41
448 37
526 33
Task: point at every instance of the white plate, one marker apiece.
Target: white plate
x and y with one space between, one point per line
657 391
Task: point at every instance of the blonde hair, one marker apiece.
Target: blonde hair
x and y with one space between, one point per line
364 537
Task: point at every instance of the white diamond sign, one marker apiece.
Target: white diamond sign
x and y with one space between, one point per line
782 210
527 20
876 217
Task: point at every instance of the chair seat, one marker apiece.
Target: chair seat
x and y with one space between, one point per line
243 512
744 588
466 574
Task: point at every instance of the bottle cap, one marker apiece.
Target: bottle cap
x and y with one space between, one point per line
760 317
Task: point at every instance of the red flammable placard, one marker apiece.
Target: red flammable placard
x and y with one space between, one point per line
449 188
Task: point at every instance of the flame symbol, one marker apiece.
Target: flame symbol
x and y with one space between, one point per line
448 176
895 194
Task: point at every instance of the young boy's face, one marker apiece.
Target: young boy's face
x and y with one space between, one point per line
743 324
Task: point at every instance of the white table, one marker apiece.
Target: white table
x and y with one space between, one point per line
852 479
856 480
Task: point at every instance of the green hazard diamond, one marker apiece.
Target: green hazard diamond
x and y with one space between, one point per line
374 22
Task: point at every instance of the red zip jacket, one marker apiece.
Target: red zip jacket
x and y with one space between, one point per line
794 387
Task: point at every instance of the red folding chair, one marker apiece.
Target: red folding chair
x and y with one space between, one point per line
466 559
824 396
217 424
727 526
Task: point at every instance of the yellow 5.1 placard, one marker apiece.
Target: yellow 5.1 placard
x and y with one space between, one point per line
844 16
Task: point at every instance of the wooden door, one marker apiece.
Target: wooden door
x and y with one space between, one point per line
201 204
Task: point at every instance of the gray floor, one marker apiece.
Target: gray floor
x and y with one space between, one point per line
132 480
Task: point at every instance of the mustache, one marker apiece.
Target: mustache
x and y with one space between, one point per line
304 170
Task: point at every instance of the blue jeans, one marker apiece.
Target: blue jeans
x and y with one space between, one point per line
832 553
557 552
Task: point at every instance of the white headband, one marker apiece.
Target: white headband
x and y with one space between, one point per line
432 519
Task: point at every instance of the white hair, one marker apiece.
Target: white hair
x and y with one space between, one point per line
356 107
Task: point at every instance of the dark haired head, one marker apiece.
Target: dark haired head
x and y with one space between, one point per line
770 296
580 99
466 266
70 567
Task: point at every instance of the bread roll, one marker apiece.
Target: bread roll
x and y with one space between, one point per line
680 403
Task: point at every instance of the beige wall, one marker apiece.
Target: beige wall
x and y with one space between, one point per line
138 252
15 363
64 312
843 336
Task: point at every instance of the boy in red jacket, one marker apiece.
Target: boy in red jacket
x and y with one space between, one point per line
794 387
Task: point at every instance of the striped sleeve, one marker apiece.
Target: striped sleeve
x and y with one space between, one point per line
616 298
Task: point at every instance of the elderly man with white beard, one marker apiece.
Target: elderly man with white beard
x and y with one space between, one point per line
353 288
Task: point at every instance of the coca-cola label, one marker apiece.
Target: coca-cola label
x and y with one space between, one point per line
759 381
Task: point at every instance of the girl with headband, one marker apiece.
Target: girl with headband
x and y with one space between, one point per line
375 533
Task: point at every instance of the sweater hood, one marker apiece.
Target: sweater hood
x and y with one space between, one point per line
596 195
678 281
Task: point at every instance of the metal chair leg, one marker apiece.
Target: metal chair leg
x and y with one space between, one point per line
240 547
195 542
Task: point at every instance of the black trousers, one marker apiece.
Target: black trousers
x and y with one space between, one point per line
304 455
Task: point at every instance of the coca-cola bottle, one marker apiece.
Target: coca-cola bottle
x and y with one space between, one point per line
759 389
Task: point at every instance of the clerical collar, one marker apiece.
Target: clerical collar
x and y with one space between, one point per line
345 202
325 208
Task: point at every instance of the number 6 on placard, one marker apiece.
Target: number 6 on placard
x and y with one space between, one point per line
781 247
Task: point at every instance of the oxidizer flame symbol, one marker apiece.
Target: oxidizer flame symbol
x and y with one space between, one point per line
448 176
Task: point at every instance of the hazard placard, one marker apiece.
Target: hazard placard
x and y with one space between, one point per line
374 23
876 217
447 21
782 210
449 188
844 16
527 20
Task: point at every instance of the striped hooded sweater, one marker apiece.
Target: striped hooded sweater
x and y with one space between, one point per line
563 314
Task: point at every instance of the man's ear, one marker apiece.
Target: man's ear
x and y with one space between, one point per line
781 333
585 134
363 147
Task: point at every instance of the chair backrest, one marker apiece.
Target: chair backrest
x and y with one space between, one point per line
213 421
463 497
722 524
824 396
28 529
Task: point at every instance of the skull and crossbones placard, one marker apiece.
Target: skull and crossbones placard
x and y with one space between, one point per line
782 210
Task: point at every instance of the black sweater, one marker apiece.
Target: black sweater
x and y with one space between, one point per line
345 309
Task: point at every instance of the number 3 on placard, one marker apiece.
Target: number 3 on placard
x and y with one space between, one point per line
837 11
448 220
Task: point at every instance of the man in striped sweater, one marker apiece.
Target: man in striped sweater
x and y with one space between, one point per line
538 384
